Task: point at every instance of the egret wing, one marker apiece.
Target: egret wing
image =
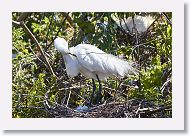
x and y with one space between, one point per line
90 57
95 60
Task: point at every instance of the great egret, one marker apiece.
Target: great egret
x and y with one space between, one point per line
92 63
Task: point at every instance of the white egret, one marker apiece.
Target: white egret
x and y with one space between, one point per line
92 63
142 23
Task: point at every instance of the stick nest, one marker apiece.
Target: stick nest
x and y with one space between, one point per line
129 109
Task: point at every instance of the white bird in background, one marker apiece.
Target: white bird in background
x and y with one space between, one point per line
142 23
92 63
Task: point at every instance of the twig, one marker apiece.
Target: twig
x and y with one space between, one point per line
30 107
15 23
29 95
165 84
167 18
46 100
139 108
151 110
68 98
35 54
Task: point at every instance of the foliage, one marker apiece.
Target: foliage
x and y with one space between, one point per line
35 90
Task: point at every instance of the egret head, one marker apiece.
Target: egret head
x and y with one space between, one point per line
61 45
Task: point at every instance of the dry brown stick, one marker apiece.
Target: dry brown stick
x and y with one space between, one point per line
37 44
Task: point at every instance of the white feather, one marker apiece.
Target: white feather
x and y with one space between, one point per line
72 66
142 23
91 61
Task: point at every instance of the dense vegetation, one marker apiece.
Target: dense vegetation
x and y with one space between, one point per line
41 87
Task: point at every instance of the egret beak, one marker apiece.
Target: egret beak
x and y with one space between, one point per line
72 54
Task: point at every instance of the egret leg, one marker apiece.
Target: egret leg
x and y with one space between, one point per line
94 89
99 91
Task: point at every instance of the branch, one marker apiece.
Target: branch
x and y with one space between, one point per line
68 19
23 16
152 111
29 107
167 18
36 42
16 23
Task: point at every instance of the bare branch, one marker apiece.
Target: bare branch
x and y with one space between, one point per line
16 23
37 44
167 18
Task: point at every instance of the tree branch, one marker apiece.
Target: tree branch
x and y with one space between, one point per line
23 16
16 23
36 42
167 18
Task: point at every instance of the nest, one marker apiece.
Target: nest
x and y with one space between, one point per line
129 109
